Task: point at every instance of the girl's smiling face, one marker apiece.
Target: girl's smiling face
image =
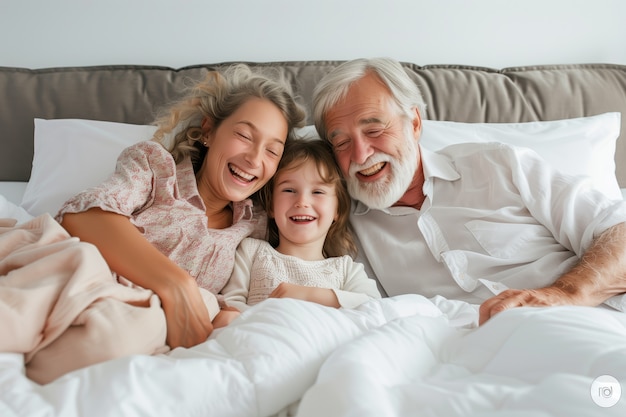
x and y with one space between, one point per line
304 207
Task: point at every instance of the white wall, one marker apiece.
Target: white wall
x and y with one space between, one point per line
492 33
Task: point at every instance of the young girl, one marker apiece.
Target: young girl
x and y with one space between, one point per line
310 248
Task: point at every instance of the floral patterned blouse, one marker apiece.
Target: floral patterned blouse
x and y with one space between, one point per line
162 201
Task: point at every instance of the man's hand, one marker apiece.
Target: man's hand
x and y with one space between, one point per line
541 297
600 274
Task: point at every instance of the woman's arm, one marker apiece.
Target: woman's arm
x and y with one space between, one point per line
130 255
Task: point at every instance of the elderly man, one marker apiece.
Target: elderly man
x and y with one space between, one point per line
486 223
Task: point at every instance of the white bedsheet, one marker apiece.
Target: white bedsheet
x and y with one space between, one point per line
525 362
398 356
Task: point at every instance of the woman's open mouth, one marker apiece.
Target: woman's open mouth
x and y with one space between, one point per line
242 175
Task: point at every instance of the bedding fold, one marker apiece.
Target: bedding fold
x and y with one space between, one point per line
61 306
523 361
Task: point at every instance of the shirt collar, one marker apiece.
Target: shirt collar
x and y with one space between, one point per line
438 165
434 165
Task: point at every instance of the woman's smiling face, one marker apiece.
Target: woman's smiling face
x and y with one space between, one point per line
244 150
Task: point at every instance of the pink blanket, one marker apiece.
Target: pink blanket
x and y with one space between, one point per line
61 306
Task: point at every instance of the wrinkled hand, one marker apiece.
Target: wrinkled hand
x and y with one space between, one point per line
225 317
542 297
186 315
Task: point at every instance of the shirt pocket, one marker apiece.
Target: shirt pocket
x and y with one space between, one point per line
519 241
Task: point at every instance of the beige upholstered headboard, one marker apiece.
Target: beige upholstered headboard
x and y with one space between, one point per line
457 93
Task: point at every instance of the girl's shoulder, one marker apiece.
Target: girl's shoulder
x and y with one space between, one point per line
252 245
347 262
343 259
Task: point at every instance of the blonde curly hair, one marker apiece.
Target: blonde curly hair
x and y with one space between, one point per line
215 98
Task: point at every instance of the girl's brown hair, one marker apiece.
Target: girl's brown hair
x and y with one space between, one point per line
339 240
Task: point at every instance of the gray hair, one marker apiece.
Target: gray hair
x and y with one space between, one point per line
334 87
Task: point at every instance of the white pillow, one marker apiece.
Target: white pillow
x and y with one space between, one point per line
579 146
13 190
72 155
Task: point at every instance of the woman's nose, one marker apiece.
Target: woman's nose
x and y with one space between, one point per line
253 156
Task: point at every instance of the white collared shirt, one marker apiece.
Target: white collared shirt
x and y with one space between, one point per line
494 217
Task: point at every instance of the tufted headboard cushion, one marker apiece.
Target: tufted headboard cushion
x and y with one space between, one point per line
131 94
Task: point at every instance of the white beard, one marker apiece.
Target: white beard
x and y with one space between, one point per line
386 191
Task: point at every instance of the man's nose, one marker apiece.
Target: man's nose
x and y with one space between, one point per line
361 150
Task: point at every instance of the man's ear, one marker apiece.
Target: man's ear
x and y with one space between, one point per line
417 124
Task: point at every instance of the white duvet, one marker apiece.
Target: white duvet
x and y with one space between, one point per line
399 356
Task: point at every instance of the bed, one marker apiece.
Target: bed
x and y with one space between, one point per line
62 128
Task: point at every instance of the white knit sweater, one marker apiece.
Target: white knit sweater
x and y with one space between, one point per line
259 268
